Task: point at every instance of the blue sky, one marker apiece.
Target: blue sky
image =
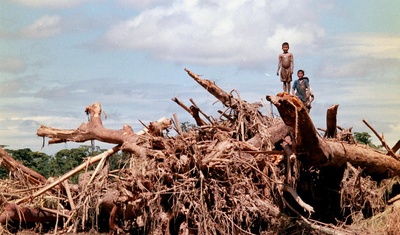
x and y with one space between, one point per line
57 57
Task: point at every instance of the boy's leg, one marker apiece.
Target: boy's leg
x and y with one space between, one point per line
286 87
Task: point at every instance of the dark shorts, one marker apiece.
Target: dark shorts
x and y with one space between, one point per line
286 75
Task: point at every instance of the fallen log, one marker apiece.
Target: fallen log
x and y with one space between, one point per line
94 130
13 212
307 144
15 167
313 150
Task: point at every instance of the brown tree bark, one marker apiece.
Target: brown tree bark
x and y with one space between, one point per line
227 99
94 130
192 111
307 143
13 212
331 121
314 150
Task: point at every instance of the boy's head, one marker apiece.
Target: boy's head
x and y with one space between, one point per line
285 46
300 74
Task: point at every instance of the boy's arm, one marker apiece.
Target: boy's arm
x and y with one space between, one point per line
293 87
311 95
291 63
279 64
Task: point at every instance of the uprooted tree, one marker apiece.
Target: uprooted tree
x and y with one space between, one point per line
240 173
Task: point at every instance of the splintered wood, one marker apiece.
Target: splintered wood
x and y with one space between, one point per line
243 172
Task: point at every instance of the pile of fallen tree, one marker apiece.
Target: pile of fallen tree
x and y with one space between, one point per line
243 172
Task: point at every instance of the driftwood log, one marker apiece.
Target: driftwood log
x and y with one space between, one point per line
238 173
314 150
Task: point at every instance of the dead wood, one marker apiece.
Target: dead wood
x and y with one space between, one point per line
382 139
396 147
313 150
12 212
331 122
307 143
18 170
227 99
71 173
238 173
192 110
298 199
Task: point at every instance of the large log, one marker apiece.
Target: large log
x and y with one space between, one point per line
13 212
307 144
373 162
314 150
94 130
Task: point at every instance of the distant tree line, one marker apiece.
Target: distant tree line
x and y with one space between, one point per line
62 162
66 159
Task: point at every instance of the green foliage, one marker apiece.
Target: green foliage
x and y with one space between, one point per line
34 160
365 138
62 162
3 173
67 159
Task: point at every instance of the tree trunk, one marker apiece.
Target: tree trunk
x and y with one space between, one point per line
331 121
314 150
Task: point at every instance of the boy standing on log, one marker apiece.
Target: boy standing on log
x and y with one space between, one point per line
285 65
300 88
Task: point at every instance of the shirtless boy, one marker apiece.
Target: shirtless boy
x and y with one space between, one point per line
286 65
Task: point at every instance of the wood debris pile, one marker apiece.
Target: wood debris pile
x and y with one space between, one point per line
240 173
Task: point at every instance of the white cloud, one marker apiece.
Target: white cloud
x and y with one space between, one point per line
50 3
12 65
361 55
217 32
377 46
45 26
140 4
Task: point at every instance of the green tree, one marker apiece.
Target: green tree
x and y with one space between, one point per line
63 161
365 138
36 161
67 159
3 172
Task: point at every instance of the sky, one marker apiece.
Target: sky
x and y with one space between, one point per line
57 57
